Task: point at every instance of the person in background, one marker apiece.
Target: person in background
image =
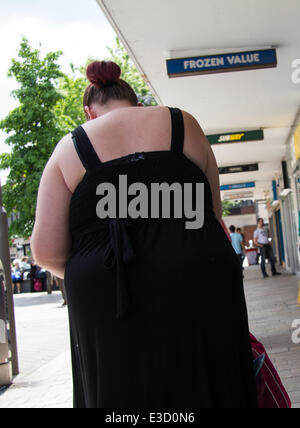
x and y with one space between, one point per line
60 284
261 240
34 269
239 230
237 243
24 265
16 275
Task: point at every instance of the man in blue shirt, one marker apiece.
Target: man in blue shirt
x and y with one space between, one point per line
237 243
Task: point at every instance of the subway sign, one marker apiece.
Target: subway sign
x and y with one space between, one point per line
222 63
236 137
238 186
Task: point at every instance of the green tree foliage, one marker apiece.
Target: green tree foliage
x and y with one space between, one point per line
49 106
227 206
32 132
69 108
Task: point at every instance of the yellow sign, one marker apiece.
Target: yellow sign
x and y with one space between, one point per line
297 142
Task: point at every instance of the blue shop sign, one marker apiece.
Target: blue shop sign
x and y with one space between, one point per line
222 63
238 186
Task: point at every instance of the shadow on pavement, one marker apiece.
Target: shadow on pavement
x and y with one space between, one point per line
27 300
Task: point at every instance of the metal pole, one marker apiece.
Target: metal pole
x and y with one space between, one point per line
49 283
5 260
5 365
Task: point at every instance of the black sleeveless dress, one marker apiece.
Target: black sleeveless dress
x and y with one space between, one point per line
157 312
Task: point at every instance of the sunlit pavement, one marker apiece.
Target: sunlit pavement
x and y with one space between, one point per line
43 341
45 379
272 307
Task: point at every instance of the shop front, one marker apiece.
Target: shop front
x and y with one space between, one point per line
296 185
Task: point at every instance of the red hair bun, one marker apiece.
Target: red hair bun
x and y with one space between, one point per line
102 73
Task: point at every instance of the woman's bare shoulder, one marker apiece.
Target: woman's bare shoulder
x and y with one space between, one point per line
196 144
192 124
66 159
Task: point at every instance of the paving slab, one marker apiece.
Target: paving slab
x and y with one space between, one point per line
45 379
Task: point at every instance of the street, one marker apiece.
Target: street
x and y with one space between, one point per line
45 379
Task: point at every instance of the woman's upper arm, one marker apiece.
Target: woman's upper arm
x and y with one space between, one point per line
212 174
50 241
199 150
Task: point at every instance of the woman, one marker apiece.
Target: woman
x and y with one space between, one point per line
33 271
157 308
24 263
17 276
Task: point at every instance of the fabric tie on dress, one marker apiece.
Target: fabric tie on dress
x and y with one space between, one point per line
118 253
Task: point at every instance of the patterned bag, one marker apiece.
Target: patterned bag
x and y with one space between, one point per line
271 392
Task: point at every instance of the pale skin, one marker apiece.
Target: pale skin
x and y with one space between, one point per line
115 130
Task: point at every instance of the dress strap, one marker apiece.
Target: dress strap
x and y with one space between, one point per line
177 130
85 149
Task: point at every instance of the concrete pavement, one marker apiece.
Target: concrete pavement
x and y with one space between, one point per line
45 379
272 306
43 341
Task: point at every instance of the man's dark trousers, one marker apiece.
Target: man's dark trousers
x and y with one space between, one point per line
266 252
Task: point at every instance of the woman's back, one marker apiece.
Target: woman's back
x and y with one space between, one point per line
142 291
128 213
129 130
